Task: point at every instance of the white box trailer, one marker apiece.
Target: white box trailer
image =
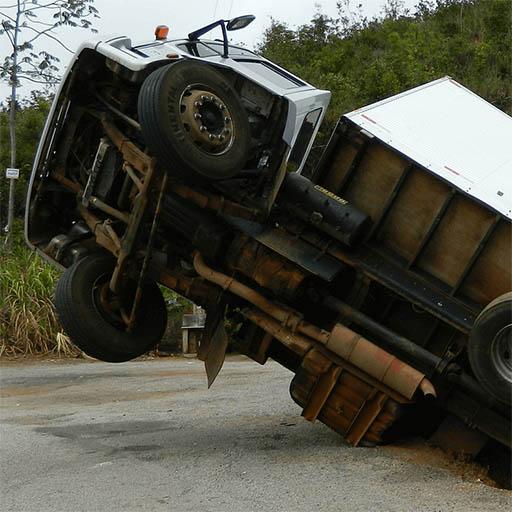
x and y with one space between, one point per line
453 133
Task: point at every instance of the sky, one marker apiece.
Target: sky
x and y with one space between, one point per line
138 19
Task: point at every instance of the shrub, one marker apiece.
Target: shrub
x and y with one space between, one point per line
28 323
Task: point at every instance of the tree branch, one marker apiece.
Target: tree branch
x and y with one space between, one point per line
53 81
41 23
37 69
8 34
7 16
36 75
40 33
57 4
45 33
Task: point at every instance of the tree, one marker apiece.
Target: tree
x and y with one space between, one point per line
31 113
364 60
361 61
24 24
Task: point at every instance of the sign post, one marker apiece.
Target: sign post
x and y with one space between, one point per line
12 175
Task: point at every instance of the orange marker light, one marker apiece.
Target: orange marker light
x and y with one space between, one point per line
161 32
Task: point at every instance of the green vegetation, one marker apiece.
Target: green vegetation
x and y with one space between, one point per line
30 118
362 61
28 322
359 60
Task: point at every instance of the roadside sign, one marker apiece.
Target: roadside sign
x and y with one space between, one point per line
12 174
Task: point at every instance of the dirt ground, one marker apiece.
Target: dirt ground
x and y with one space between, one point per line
148 436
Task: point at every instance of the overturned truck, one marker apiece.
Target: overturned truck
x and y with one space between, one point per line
381 279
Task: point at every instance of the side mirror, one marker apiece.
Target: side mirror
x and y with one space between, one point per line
234 24
240 22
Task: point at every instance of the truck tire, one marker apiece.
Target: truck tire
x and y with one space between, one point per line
97 332
193 121
490 348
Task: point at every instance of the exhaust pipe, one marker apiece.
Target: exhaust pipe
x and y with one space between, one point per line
289 328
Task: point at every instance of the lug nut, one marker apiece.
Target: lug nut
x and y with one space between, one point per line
203 97
197 116
202 128
197 104
227 120
211 136
221 138
222 107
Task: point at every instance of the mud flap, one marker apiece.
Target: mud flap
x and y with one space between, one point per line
214 343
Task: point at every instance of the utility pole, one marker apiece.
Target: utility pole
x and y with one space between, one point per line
22 29
12 128
1 195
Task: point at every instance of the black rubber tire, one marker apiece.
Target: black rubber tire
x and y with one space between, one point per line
88 328
493 318
165 134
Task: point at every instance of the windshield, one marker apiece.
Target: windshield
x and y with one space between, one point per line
233 50
211 48
271 73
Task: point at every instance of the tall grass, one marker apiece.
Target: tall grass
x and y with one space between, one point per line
28 323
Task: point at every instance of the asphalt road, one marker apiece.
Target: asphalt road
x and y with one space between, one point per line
149 436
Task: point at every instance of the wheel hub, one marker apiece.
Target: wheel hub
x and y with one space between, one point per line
113 308
208 121
501 352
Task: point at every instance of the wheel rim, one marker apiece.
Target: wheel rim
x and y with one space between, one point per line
207 119
501 353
